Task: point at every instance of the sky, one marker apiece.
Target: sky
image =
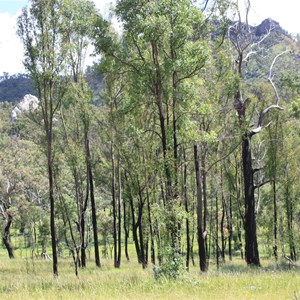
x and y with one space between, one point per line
11 51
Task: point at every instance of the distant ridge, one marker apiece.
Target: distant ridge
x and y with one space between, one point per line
14 87
268 24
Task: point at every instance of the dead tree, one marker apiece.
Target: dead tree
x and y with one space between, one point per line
246 44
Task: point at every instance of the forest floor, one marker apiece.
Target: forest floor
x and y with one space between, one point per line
26 278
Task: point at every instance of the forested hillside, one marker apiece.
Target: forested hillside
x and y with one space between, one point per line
179 148
14 87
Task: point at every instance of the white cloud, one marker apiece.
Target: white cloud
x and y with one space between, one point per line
285 12
104 6
11 49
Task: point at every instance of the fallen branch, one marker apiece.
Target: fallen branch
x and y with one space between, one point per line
291 262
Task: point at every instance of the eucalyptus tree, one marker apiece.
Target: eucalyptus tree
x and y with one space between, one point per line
160 49
77 34
47 46
287 174
113 123
21 175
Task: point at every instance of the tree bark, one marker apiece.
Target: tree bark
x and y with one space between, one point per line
217 233
114 205
204 187
52 218
119 213
94 211
134 231
275 247
223 217
126 230
158 90
229 226
289 211
200 233
5 237
48 124
151 230
186 206
251 247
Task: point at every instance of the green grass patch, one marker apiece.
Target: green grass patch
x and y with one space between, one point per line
24 278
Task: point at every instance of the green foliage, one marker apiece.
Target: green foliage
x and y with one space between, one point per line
172 266
164 70
295 109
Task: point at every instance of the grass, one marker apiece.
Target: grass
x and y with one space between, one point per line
24 278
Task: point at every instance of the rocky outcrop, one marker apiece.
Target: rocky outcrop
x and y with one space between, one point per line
267 25
27 104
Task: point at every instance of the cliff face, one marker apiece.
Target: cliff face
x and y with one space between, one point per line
267 25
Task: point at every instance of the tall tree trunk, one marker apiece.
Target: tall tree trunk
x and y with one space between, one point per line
204 187
82 209
275 247
126 230
239 225
158 92
5 237
90 185
82 238
200 233
229 226
94 211
222 229
193 230
114 205
52 222
151 230
134 231
251 247
141 238
119 212
174 123
240 215
217 233
289 211
52 209
48 124
223 217
67 223
186 206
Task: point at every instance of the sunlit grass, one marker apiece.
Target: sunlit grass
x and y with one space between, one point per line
24 278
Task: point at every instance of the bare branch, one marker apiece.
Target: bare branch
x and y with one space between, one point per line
223 157
2 212
257 169
205 5
270 78
263 38
259 128
248 6
273 106
246 59
263 183
138 49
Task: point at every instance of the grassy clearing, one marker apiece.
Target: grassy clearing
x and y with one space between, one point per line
32 279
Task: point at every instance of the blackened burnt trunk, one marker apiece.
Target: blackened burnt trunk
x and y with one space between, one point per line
251 247
200 233
93 204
